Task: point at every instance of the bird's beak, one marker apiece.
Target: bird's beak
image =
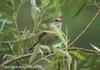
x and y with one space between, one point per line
50 32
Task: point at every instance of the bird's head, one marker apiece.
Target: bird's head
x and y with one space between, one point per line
56 22
54 25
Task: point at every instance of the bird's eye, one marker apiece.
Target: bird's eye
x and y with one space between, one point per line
56 20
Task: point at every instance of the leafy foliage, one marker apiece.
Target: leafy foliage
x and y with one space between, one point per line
17 35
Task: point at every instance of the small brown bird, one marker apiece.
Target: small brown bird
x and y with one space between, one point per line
48 38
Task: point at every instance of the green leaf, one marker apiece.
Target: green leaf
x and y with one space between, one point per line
64 53
58 4
80 9
78 55
96 3
34 53
96 48
37 67
8 57
41 51
49 61
44 47
61 36
5 16
92 62
34 10
45 3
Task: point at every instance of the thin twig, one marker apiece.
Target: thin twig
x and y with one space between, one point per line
10 48
18 40
85 29
42 58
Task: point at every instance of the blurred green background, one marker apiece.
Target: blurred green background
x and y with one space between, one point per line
77 23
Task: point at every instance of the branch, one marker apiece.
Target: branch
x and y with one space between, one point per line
15 59
48 54
84 50
85 29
